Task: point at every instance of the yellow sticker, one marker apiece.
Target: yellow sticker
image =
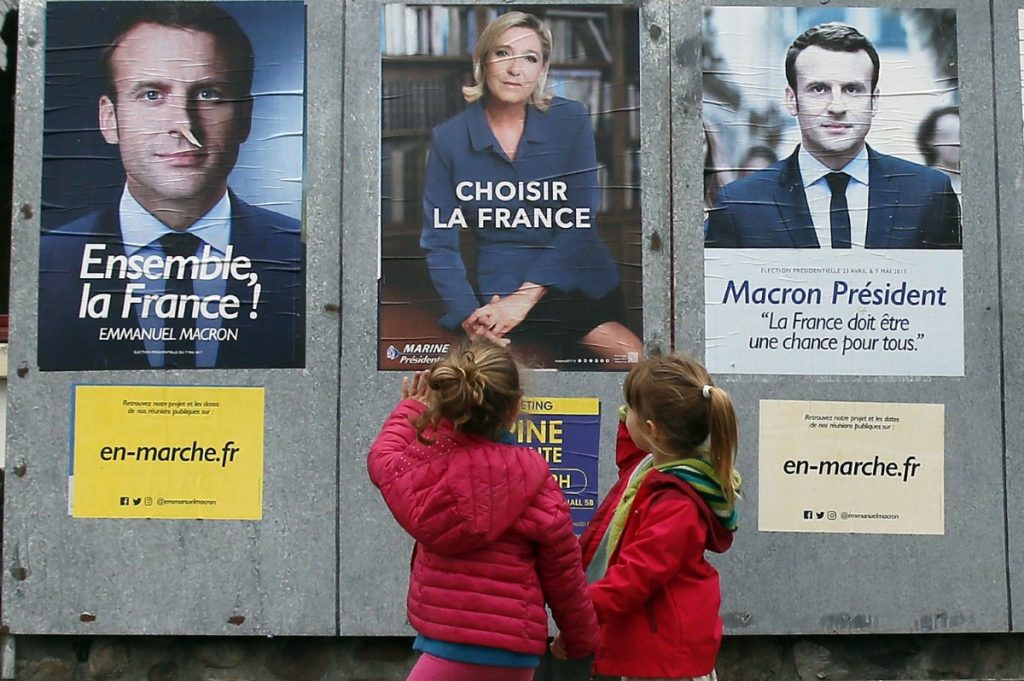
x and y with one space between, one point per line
167 452
572 406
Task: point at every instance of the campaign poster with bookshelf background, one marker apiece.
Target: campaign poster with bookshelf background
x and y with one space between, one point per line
586 243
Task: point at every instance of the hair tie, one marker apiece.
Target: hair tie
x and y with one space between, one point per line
706 391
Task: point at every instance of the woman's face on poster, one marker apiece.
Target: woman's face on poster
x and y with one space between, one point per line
514 66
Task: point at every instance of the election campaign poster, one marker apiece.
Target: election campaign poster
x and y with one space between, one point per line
166 452
510 184
173 163
851 467
832 224
567 433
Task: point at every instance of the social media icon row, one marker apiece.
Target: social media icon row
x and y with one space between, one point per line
135 501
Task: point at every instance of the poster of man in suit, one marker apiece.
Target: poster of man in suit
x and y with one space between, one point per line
840 252
172 186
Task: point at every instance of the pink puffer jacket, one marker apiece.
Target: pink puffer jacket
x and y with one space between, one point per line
494 538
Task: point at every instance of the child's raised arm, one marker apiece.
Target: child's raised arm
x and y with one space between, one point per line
397 433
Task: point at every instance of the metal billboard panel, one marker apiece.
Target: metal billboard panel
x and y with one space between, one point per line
826 581
274 576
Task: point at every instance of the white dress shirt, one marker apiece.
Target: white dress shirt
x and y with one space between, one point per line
819 196
141 233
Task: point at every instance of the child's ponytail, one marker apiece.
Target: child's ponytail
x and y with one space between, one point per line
723 438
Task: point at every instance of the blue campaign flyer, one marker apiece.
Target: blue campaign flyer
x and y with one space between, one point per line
567 433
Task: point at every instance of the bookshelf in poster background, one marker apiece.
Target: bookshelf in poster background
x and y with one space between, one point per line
426 50
431 30
579 35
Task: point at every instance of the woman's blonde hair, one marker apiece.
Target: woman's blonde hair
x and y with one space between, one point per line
540 97
677 393
476 387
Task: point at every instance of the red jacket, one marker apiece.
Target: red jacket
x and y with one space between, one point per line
627 456
658 602
494 538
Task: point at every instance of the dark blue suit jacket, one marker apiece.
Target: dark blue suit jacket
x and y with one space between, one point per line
557 145
276 338
909 206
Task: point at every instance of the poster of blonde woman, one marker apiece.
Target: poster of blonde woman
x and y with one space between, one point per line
510 184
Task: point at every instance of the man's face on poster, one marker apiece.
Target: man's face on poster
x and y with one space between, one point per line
834 102
178 119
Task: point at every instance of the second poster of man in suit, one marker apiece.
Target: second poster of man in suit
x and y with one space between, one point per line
832 225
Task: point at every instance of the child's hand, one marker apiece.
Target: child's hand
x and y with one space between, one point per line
558 648
418 388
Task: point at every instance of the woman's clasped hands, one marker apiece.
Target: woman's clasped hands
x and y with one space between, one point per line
502 314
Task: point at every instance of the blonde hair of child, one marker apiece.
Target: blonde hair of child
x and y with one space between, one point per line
670 391
476 387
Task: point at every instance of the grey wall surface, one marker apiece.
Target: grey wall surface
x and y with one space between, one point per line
327 558
1010 159
367 396
167 576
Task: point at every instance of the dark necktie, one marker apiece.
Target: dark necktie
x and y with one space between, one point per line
839 213
181 351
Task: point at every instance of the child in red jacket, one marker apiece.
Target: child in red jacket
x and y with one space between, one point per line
656 596
494 538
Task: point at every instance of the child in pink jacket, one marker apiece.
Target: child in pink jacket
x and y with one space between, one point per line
494 539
